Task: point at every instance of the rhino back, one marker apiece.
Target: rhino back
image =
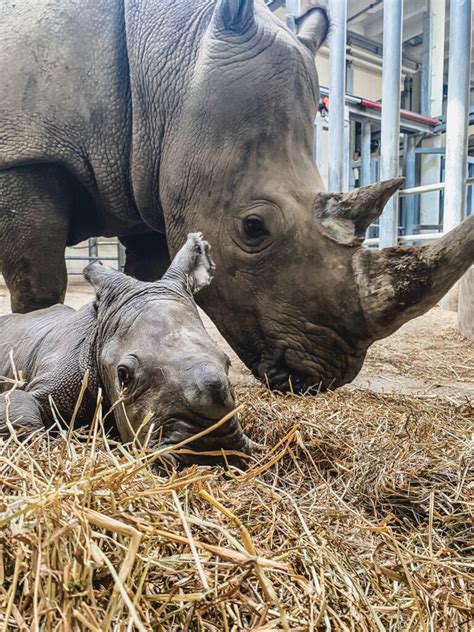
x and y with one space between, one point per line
64 94
24 338
53 348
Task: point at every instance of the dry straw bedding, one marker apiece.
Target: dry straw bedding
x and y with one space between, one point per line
356 515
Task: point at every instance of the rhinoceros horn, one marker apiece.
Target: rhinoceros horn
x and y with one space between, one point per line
400 283
397 284
234 15
345 217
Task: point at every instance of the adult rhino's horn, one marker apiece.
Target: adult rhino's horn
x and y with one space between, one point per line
313 28
397 284
234 15
345 217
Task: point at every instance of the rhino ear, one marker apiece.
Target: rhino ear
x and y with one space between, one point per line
344 217
234 15
192 268
312 28
105 280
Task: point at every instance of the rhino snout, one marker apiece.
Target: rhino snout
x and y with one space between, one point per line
207 391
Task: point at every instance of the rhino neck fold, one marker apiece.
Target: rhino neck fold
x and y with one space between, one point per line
89 357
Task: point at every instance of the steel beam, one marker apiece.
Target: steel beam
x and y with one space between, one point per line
121 257
390 135
457 112
366 138
293 7
293 10
318 142
337 91
93 248
432 102
410 174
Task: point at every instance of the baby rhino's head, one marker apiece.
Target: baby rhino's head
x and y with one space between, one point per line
156 357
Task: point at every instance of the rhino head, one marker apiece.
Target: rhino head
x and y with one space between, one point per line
296 294
156 359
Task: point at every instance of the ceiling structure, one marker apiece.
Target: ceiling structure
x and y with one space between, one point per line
365 20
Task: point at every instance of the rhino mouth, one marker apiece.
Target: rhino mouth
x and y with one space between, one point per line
289 374
228 444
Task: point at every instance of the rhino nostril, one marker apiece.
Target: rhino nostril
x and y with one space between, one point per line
208 391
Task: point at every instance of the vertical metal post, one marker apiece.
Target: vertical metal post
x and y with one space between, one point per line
93 248
390 137
346 156
432 104
457 112
293 10
121 259
293 7
365 141
410 174
337 88
318 142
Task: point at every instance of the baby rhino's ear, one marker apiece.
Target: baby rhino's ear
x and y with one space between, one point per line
192 265
201 266
106 280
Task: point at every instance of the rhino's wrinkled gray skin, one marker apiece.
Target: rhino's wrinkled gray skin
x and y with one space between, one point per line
143 343
122 117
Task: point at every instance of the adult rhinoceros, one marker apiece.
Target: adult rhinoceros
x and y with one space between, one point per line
149 119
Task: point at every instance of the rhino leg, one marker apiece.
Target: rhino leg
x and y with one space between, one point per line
34 204
19 410
147 257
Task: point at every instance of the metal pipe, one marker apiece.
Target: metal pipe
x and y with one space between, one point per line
374 241
424 188
337 90
420 237
362 11
374 105
457 112
93 249
390 135
121 256
318 142
366 138
92 258
358 57
435 186
410 173
293 7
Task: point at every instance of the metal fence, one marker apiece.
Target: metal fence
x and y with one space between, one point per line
110 251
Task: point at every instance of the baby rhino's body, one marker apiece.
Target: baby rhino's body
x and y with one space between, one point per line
141 342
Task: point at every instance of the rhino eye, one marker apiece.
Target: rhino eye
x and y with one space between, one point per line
123 375
254 227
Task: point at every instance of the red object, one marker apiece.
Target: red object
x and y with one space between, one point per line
413 116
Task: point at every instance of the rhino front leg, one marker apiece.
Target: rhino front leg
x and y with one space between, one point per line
35 202
19 410
147 256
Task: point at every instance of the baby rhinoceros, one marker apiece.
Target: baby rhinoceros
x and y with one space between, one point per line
142 343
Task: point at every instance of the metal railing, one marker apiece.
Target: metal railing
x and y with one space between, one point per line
432 236
93 247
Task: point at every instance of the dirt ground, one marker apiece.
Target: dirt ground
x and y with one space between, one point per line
427 357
